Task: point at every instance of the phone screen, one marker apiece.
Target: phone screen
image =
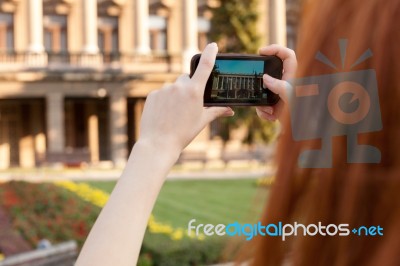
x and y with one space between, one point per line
238 80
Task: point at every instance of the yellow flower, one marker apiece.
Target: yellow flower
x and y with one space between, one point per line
177 234
265 181
95 196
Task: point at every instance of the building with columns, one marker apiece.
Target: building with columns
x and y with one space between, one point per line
74 74
237 86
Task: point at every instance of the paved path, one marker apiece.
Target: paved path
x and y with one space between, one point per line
40 175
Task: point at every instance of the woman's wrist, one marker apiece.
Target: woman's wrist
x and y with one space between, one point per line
150 153
164 147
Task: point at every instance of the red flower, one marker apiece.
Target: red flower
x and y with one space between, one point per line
10 198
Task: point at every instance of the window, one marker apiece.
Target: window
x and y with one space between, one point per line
203 25
108 34
55 33
6 32
158 33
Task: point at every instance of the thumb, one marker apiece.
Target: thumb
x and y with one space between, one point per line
277 86
210 113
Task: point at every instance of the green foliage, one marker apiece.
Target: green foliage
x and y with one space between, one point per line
234 26
158 249
258 130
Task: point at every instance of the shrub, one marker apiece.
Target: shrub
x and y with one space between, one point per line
159 249
44 210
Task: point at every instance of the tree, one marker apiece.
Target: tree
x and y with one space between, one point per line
234 28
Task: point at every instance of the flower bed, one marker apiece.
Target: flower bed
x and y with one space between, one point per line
45 211
67 210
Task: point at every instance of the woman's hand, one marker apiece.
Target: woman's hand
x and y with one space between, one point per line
174 115
277 86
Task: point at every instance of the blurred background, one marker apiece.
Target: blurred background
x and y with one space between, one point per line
74 76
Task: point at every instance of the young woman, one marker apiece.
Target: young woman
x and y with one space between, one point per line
358 194
353 193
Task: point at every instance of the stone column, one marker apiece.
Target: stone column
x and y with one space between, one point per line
75 21
70 120
125 23
35 25
55 122
27 151
26 141
38 131
142 27
90 27
4 143
278 22
35 56
190 33
174 21
138 110
93 132
118 129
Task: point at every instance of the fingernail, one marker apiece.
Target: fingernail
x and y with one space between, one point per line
229 112
213 44
269 110
268 79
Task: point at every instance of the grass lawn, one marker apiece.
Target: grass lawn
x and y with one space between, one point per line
207 201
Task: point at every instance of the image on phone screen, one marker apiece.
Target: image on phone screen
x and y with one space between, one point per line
237 79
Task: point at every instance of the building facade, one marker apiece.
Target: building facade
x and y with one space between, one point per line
74 74
237 86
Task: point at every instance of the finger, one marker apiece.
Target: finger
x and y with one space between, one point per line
213 112
206 65
265 115
278 109
277 86
275 110
266 109
287 55
183 79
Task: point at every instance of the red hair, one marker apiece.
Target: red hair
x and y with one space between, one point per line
355 194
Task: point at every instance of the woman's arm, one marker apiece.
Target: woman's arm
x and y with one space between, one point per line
171 119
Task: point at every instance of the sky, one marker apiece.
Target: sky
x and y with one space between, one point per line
240 66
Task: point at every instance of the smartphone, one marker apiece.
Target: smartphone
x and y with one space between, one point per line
236 80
